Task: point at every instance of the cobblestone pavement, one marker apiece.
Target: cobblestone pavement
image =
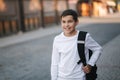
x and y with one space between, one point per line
26 61
109 63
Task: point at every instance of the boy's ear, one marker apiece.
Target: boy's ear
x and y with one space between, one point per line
77 21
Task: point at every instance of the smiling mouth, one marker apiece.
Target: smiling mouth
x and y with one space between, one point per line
67 28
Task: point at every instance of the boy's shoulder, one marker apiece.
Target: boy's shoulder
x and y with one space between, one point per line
57 37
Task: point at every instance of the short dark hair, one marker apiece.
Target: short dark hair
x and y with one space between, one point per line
70 12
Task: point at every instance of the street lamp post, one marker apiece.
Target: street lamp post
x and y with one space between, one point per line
90 8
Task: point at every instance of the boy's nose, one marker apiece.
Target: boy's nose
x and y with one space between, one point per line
66 25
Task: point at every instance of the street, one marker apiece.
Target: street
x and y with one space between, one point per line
31 60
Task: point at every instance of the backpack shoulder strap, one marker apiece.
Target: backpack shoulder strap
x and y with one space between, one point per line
80 46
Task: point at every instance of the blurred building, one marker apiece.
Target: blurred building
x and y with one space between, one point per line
118 6
27 15
95 7
111 6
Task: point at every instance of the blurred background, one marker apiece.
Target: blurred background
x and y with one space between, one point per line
28 27
26 15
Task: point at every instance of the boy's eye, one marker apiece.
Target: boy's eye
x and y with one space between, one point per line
63 21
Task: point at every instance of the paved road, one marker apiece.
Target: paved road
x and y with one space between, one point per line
31 60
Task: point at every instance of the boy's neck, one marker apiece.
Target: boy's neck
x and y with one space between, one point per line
71 34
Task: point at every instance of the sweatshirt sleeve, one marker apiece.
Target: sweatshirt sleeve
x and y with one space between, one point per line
91 44
54 62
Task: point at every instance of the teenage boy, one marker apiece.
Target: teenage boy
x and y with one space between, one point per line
65 54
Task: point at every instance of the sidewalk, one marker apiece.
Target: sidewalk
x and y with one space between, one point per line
110 18
21 37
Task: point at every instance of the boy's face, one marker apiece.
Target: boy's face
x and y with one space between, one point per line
68 25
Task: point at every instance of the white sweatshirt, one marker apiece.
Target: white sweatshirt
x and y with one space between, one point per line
65 57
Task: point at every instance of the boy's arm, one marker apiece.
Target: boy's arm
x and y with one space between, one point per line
54 63
91 44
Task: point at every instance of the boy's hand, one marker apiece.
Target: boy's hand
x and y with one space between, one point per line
87 68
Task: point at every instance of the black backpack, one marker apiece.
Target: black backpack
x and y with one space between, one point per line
81 49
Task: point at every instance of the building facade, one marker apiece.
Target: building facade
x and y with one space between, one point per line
27 15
